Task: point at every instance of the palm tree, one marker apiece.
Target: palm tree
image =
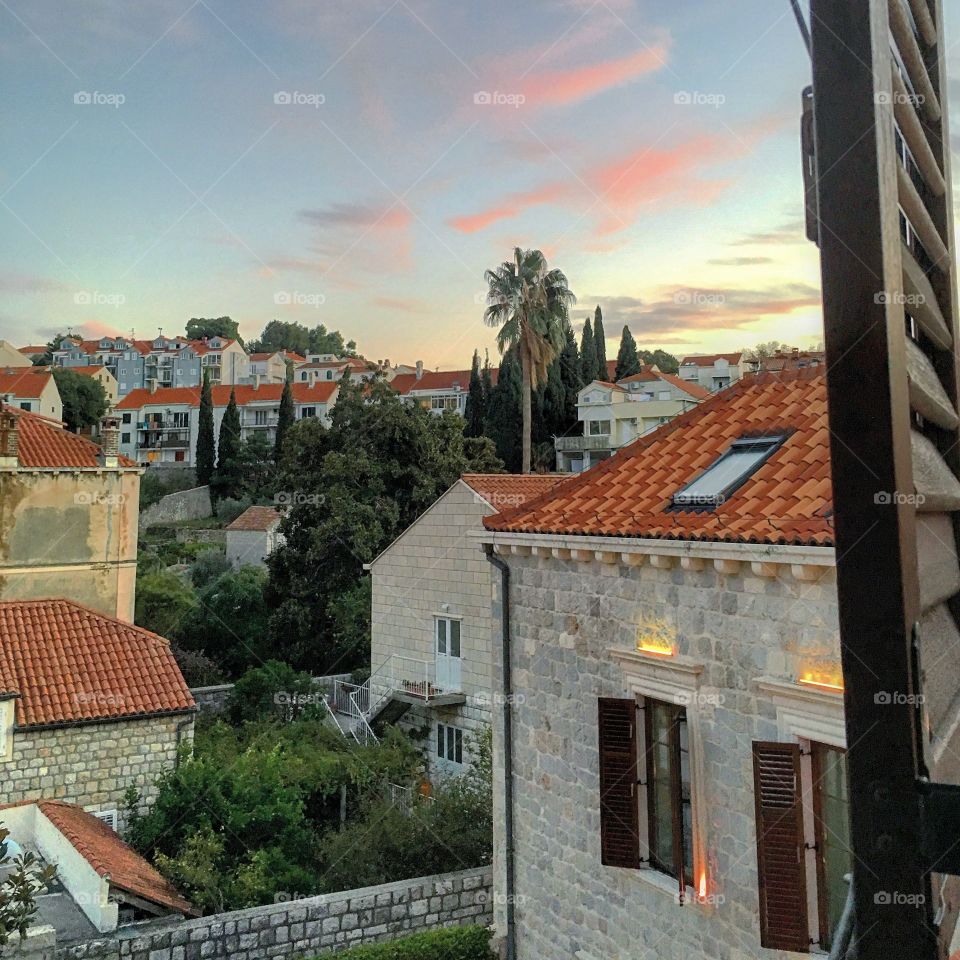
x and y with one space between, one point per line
530 304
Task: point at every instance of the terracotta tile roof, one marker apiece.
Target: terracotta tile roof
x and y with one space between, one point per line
87 371
26 382
44 443
31 350
652 376
709 359
787 500
605 383
502 490
611 370
110 857
436 380
201 347
246 393
256 519
70 664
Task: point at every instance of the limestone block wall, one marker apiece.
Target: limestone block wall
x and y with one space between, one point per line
567 616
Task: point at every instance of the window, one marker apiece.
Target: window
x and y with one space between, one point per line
303 375
26 405
725 475
448 637
307 412
109 817
260 418
828 777
179 456
449 743
445 403
126 418
599 428
124 437
329 374
181 420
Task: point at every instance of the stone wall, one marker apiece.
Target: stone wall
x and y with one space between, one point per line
568 616
214 699
191 504
93 765
216 538
304 927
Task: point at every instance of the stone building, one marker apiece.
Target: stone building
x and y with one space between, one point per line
430 640
675 669
89 707
68 515
253 536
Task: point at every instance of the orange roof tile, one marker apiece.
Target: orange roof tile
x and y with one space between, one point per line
44 443
629 495
436 380
246 393
70 664
34 349
110 857
503 490
709 359
256 519
26 382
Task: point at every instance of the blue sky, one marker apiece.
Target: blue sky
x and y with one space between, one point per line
650 149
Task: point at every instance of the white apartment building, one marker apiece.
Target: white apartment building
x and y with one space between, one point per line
716 370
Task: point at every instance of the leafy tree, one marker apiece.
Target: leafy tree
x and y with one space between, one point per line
553 405
256 472
476 401
227 478
571 374
665 362
503 424
628 361
232 620
197 668
164 603
588 354
285 418
530 304
200 327
279 335
46 359
600 345
207 567
206 453
273 690
23 881
84 399
380 464
331 341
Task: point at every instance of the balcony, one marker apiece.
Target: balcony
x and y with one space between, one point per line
181 442
260 424
580 444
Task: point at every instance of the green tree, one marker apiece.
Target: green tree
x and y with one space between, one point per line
23 881
529 303
503 422
571 373
285 418
665 362
228 478
280 335
628 360
46 359
600 345
84 399
588 354
206 453
274 690
200 327
164 603
476 401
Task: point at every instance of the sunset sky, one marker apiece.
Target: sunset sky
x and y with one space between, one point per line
650 149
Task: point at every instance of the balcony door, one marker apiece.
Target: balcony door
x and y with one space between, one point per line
447 637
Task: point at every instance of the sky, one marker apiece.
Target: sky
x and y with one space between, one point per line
360 163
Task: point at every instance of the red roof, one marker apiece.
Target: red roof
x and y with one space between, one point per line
45 443
259 519
33 350
786 501
86 371
503 490
708 360
110 857
436 380
651 376
70 664
27 382
246 393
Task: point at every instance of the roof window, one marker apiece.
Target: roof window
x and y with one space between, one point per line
730 471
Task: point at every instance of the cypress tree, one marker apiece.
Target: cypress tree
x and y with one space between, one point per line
588 354
228 475
571 373
285 418
628 360
486 381
504 424
205 456
476 402
600 345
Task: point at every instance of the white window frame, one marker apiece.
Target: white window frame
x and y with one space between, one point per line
109 817
452 735
598 423
7 715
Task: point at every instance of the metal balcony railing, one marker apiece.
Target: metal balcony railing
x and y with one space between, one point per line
573 444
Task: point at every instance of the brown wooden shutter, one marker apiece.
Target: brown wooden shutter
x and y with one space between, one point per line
781 866
619 814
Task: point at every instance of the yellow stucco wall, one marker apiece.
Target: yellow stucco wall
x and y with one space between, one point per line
70 535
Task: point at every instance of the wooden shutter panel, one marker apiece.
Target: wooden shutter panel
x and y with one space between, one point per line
619 814
781 866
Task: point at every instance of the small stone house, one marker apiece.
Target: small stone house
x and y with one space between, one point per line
89 707
253 536
677 731
430 643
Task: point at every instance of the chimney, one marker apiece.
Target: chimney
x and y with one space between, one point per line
419 369
109 442
256 381
9 440
153 384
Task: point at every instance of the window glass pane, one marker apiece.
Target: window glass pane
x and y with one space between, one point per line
686 815
450 739
833 836
459 753
658 774
441 636
454 638
440 739
725 472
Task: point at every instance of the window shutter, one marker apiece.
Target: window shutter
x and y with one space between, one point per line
781 867
619 814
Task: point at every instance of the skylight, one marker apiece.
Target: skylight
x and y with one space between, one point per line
725 475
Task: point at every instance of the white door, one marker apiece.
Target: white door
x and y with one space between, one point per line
448 654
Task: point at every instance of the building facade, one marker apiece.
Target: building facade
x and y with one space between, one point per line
714 371
32 390
253 536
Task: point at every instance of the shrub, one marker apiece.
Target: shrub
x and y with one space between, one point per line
198 669
273 690
209 565
228 510
448 943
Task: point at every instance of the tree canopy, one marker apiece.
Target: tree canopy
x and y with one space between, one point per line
600 345
206 453
628 360
84 399
588 354
295 337
200 327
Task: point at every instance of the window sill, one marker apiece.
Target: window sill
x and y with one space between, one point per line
668 885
